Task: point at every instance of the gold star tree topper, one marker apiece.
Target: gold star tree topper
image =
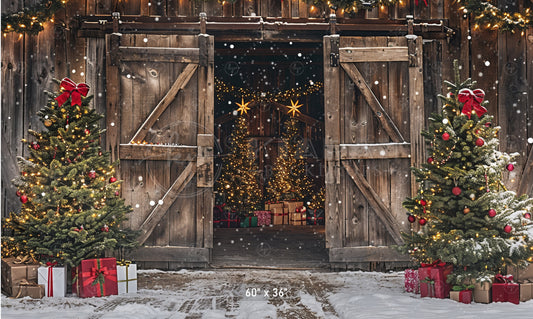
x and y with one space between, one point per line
243 107
294 108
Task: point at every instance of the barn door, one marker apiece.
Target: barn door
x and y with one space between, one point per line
374 113
160 125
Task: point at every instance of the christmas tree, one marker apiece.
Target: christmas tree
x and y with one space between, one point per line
289 180
71 205
468 216
239 181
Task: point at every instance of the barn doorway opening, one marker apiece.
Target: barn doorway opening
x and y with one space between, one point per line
280 84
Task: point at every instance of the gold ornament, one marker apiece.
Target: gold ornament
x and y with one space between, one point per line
47 122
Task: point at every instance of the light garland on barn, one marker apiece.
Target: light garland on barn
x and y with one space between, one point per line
491 17
30 20
223 89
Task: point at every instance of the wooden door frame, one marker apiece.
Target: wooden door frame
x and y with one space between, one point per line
339 157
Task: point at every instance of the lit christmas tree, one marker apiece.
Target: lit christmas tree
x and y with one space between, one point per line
289 180
239 181
71 205
468 217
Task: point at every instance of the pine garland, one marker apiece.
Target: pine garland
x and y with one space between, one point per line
492 17
30 20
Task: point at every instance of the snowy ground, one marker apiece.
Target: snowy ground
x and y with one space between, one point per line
223 294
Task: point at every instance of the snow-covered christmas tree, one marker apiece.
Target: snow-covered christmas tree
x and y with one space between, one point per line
71 204
467 216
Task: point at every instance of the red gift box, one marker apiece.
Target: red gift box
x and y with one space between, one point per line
95 278
412 284
432 279
504 290
464 296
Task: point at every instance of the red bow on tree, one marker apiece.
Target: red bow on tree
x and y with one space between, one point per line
472 100
70 88
436 263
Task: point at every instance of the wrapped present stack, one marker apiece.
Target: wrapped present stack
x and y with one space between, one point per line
263 217
462 293
298 217
95 278
19 278
433 278
279 215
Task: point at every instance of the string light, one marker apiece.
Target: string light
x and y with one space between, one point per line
30 20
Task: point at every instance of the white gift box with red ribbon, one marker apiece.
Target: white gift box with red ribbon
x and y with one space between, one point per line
54 279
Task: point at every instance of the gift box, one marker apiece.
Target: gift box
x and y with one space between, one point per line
297 218
230 220
218 212
263 217
54 279
279 216
28 289
526 290
504 290
292 206
411 281
249 221
95 278
483 292
520 274
464 296
270 206
315 217
432 279
126 277
16 270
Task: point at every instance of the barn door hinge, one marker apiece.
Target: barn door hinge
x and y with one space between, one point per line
334 54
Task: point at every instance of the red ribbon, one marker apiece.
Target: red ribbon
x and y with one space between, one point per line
425 2
70 88
472 100
436 263
503 279
50 289
91 277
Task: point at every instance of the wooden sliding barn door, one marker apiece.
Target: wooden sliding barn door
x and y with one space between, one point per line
160 94
374 112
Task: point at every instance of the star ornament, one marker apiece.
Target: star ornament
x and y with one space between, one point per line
243 107
294 108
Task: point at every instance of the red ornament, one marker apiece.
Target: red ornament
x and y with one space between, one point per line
92 174
527 216
480 142
18 193
35 146
488 124
492 213
87 132
105 228
112 179
510 167
77 229
422 221
117 193
507 229
99 153
456 191
445 136
411 219
430 160
466 210
423 202
23 199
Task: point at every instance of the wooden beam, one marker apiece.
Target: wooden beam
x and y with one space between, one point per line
365 254
374 54
155 54
375 151
178 85
382 211
168 199
170 254
373 102
157 152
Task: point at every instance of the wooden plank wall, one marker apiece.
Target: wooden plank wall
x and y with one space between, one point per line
500 62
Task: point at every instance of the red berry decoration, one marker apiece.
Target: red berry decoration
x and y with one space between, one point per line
92 174
488 124
423 202
510 167
18 193
492 213
99 153
527 216
411 219
112 179
480 142
117 193
105 228
87 132
430 160
35 146
507 229
456 191
422 221
445 136
23 199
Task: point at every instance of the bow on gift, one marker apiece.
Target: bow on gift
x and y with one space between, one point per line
71 89
472 101
436 263
123 262
503 279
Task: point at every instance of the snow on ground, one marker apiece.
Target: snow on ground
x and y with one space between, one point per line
240 293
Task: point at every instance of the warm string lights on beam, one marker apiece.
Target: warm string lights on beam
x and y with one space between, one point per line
489 16
230 92
30 20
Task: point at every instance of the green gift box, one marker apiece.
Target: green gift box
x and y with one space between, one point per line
249 221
